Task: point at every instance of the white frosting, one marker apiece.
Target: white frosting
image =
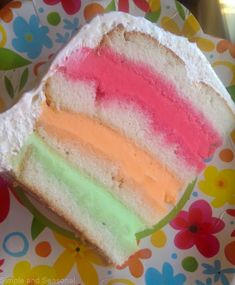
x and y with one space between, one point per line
17 123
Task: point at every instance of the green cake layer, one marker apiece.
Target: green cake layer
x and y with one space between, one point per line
91 197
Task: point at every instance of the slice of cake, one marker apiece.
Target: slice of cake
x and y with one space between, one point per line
122 122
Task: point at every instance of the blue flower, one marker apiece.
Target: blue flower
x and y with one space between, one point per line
62 39
71 25
219 274
153 276
208 282
30 37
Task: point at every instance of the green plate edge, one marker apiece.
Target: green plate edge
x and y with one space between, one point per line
54 227
171 215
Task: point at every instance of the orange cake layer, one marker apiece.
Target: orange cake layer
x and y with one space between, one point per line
157 183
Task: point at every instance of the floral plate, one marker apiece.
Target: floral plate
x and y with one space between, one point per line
194 245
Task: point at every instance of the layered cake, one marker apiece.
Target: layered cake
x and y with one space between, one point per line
124 119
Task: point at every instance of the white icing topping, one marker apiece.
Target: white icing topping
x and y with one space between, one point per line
17 123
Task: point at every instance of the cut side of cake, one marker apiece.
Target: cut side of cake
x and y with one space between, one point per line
125 119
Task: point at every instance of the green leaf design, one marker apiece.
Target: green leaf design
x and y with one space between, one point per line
153 16
111 6
36 228
9 87
11 60
171 215
180 10
231 90
24 78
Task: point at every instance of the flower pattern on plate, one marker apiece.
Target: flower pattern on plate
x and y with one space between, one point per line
76 253
218 273
3 36
6 13
207 282
134 262
197 228
70 6
4 199
219 184
190 30
225 45
25 274
166 277
30 37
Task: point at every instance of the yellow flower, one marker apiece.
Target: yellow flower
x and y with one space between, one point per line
219 184
24 274
190 30
3 36
78 254
154 5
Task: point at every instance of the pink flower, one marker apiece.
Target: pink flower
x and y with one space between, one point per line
70 6
231 212
1 263
229 249
197 227
6 187
4 199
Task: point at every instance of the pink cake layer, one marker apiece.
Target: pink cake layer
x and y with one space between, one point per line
119 79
